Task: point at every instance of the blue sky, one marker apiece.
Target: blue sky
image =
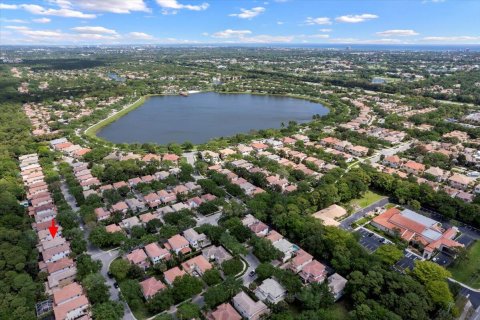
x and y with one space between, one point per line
231 21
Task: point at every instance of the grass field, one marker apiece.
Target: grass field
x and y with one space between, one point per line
369 198
468 271
92 131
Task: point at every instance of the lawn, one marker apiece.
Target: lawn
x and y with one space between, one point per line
468 270
369 198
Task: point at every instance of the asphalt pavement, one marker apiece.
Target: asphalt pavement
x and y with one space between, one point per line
345 223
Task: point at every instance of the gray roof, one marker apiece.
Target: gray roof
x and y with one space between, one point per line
418 218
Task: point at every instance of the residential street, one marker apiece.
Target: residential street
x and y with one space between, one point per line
253 263
345 223
106 257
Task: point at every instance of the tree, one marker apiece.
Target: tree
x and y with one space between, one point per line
185 287
132 293
111 310
427 271
212 277
264 270
119 269
188 310
264 250
440 293
388 254
86 265
161 301
232 267
97 290
316 296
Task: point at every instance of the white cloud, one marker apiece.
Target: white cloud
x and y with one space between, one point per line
248 13
114 6
319 36
356 18
42 20
93 30
6 6
244 36
14 20
229 33
175 5
398 33
62 12
474 39
367 41
320 20
265 38
280 23
325 30
140 36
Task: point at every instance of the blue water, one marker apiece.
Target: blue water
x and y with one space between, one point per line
203 116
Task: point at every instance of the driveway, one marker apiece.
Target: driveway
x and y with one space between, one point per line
345 223
253 263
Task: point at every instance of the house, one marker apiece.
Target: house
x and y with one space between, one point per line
180 206
273 236
225 311
131 222
271 291
286 247
112 228
417 229
120 207
171 274
224 153
413 167
177 243
147 217
196 240
217 254
358 151
59 266
194 202
134 181
258 146
437 173
300 260
139 258
313 271
61 278
51 243
196 265
135 205
67 293
337 284
170 157
210 156
151 287
152 199
248 308
460 181
259 228
56 253
392 161
244 150
330 215
102 214
248 220
73 309
180 189
155 253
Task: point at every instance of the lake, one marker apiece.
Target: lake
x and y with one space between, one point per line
203 116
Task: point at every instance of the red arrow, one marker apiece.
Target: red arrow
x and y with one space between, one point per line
53 229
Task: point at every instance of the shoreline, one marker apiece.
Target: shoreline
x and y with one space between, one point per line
92 130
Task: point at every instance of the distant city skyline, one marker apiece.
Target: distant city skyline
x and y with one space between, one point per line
70 22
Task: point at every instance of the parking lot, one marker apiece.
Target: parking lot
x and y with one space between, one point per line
466 240
443 259
407 262
370 240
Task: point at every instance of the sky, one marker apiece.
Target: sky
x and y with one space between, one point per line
81 22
